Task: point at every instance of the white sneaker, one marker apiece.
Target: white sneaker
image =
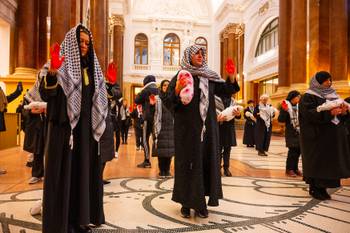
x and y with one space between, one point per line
34 180
36 209
30 158
116 155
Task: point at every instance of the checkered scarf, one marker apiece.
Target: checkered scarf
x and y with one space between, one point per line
69 77
33 95
204 74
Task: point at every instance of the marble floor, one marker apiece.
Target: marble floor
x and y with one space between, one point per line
258 198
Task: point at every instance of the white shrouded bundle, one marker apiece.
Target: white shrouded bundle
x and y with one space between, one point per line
228 112
250 115
36 105
330 104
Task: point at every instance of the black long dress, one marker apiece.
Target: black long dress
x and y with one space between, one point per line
262 133
73 189
324 145
197 164
249 129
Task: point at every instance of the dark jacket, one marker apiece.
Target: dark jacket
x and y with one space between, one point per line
227 129
107 141
249 129
324 145
291 134
114 102
138 121
143 99
165 147
262 134
197 164
9 98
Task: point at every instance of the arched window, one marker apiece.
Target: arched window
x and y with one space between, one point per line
171 50
202 42
141 49
268 39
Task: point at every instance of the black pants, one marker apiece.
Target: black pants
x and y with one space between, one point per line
124 131
138 137
293 158
38 165
117 139
147 131
164 164
225 155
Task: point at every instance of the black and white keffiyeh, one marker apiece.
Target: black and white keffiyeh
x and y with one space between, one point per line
267 112
293 112
204 74
33 95
69 77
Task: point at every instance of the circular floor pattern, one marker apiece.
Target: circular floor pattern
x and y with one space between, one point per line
249 205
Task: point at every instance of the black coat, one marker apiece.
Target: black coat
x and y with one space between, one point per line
143 99
324 145
197 164
165 147
138 121
249 129
73 188
227 129
292 135
107 141
114 102
34 138
262 134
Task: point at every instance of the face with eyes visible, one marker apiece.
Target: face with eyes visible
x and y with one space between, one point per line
84 43
197 59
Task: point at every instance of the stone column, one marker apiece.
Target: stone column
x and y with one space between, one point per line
99 29
298 44
27 16
284 44
43 39
75 13
338 13
118 46
60 20
225 56
324 36
339 39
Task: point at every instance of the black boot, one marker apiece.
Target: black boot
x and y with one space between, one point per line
316 193
202 213
227 172
185 212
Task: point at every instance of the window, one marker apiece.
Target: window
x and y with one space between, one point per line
141 49
202 42
268 39
268 86
171 50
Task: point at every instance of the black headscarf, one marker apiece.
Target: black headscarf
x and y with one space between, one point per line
292 95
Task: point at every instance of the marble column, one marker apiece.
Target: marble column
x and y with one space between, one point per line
324 36
60 20
118 46
75 13
27 16
298 44
284 44
99 29
225 56
338 39
43 39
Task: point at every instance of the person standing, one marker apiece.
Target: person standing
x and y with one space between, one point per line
163 133
77 108
146 98
264 113
138 126
249 126
4 100
114 102
323 138
289 114
125 121
197 148
227 131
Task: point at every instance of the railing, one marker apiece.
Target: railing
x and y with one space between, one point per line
141 67
171 68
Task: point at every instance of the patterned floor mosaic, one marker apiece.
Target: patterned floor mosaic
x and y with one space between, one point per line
250 205
276 158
